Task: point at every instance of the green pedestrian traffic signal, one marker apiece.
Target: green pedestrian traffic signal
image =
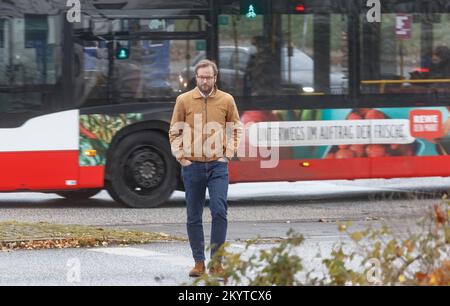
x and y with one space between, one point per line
122 54
251 12
252 8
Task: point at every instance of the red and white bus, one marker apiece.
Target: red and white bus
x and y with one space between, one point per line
344 89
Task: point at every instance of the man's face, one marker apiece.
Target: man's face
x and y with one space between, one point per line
206 79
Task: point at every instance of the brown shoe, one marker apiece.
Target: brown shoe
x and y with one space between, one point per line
198 270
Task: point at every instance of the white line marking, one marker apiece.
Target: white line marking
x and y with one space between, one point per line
135 252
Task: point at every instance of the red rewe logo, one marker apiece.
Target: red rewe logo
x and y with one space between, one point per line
426 124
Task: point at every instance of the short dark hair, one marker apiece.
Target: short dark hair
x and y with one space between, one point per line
206 63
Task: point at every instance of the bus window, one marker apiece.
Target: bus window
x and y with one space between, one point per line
32 54
36 56
155 68
133 59
312 70
237 52
276 51
30 66
399 55
90 68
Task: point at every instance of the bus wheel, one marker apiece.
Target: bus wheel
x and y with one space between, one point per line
142 171
78 194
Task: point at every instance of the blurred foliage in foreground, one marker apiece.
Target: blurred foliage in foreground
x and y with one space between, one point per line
374 257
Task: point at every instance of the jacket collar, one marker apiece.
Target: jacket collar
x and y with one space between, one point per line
197 95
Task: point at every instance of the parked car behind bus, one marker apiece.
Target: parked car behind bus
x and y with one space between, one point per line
233 63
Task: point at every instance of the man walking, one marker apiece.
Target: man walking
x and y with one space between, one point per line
204 135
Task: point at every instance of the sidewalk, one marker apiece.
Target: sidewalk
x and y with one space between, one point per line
335 189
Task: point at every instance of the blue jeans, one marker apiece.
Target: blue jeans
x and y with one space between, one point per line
197 177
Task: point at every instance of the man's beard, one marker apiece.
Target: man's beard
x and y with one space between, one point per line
205 89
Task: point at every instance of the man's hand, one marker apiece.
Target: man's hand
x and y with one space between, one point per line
185 162
223 160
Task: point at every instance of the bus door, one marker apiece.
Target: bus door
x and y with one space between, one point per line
38 148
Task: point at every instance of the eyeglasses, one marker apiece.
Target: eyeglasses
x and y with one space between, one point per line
207 78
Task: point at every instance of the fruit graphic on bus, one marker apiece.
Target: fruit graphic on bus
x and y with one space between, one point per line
343 150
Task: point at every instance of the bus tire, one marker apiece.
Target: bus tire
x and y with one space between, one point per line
141 172
83 194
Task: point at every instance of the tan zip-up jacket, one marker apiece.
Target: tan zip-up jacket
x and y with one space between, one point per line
205 129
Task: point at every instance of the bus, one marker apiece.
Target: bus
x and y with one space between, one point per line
326 89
